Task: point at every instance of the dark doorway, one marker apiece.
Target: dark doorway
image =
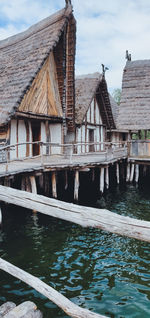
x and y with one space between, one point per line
36 136
91 140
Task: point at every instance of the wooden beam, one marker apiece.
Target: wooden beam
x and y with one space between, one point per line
102 179
128 172
136 173
33 184
132 172
84 216
61 301
54 184
107 177
76 185
117 172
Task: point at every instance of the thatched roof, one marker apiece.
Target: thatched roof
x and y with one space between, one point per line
86 87
115 108
134 109
22 56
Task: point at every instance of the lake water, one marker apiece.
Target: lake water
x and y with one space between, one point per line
103 272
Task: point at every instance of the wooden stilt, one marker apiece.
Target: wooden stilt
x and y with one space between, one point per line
33 184
107 177
66 179
23 183
0 216
117 172
76 185
102 180
144 171
93 175
137 173
41 181
54 185
132 172
28 184
128 172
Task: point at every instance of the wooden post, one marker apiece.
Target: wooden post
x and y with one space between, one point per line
66 179
54 185
102 180
132 172
107 177
0 216
117 172
61 301
137 173
128 172
76 185
33 184
93 175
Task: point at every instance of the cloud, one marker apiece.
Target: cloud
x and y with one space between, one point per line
105 29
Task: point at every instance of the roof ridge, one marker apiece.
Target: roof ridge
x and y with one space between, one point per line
35 28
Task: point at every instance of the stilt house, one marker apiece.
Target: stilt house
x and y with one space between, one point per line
37 99
134 109
93 113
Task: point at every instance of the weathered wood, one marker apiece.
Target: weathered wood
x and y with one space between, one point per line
132 172
117 172
136 173
0 216
107 177
102 180
128 173
61 301
84 216
66 179
21 311
6 307
54 184
33 184
76 185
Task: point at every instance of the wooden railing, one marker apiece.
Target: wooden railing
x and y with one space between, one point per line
139 148
18 151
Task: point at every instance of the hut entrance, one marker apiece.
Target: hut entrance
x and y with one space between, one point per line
36 136
91 140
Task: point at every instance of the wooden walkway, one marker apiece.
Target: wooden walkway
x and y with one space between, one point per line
84 216
57 162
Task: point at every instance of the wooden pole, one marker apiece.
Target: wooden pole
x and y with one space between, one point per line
0 216
61 301
84 216
54 185
66 179
136 173
102 180
117 172
76 185
107 177
132 172
128 172
33 184
93 175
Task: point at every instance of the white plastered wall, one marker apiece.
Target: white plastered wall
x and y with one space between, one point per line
21 139
55 137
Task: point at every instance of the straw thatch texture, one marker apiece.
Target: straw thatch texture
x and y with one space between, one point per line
86 87
22 56
134 109
115 108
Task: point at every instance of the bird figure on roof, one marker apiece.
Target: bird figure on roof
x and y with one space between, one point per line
104 69
68 2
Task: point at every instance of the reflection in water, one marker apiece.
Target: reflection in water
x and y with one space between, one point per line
97 270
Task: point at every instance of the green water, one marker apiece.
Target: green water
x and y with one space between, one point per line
100 271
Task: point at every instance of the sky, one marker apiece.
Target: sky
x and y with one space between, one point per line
105 30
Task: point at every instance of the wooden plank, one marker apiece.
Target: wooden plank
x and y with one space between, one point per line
84 216
61 301
21 310
6 307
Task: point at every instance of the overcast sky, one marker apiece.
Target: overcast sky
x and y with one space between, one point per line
105 29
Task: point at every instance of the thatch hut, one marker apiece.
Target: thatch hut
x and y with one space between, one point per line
37 99
134 109
93 113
